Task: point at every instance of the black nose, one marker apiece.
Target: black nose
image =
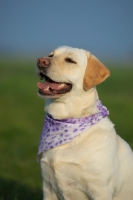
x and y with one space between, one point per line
43 62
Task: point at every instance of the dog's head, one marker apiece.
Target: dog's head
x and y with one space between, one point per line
68 69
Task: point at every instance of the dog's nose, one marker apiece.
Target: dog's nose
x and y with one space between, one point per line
43 62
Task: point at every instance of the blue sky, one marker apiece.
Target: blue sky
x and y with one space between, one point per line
35 27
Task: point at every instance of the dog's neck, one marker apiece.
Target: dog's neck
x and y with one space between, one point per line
71 105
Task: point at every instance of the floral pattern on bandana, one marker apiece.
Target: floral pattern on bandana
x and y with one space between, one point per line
58 132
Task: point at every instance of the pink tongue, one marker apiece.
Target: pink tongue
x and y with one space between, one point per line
44 85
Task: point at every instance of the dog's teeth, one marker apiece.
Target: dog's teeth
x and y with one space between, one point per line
62 85
47 88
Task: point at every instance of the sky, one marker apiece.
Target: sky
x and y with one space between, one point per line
36 27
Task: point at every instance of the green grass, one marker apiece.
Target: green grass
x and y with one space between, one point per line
21 120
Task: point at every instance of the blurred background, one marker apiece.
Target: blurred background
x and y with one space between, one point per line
31 29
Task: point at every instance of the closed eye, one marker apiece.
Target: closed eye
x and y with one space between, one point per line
51 55
70 60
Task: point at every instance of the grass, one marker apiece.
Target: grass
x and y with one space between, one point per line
21 120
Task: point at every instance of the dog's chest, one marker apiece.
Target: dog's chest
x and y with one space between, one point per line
65 172
61 166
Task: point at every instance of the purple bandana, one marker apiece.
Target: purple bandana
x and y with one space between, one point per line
57 132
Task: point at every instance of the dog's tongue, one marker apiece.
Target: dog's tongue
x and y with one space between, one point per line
45 85
50 87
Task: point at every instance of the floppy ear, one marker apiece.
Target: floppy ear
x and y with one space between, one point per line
95 73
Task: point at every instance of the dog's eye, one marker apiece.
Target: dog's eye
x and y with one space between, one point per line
51 55
70 60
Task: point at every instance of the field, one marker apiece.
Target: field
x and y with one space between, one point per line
21 121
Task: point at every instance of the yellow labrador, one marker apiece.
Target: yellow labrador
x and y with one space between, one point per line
82 156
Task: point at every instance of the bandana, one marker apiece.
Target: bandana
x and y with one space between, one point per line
58 132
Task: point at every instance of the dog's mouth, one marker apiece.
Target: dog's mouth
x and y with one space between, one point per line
52 88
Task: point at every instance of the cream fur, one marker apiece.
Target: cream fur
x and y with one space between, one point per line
98 164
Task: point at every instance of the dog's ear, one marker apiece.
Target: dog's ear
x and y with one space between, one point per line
95 73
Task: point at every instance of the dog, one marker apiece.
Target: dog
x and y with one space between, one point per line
82 156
